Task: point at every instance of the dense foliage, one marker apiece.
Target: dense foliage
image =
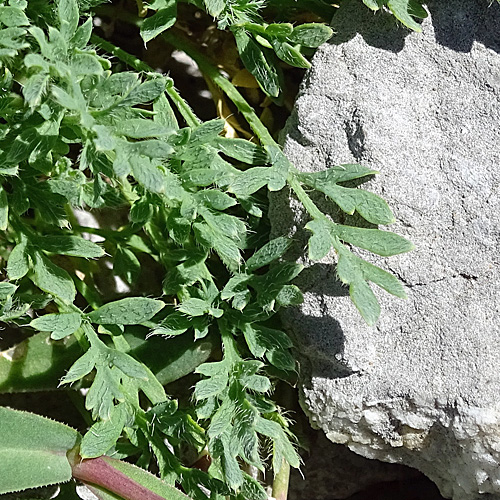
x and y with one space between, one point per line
86 127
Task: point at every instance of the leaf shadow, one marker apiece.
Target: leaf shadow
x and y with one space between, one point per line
456 24
457 28
380 29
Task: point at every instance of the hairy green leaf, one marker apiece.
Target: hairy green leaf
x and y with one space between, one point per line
251 489
370 206
35 88
382 243
33 450
74 246
81 367
68 17
406 10
215 7
226 247
242 150
209 387
256 62
159 22
310 34
13 16
145 92
139 128
82 35
103 434
279 29
289 54
271 251
52 279
126 265
129 311
61 325
6 290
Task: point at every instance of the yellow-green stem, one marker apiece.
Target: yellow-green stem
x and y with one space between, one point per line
281 480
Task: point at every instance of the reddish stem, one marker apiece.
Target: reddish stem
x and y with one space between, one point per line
100 471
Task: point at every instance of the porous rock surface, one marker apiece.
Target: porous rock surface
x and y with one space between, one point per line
422 387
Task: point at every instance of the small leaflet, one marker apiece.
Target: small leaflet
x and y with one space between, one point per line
128 311
104 434
61 325
311 34
74 246
52 279
271 251
159 22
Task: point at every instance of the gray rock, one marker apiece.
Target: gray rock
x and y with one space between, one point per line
422 387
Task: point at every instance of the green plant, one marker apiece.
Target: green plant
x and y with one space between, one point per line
183 201
404 10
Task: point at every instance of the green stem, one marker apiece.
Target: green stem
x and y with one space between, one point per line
230 351
281 480
303 197
128 59
184 109
177 40
207 68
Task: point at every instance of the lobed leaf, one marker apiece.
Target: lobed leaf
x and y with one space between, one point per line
215 7
221 420
227 249
138 128
6 290
251 489
34 88
253 179
69 16
280 30
105 389
206 133
215 199
82 35
281 442
13 17
233 475
145 92
175 323
209 387
127 364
